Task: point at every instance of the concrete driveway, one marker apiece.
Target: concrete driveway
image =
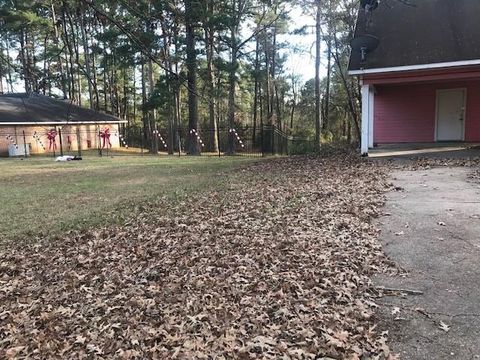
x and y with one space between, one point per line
431 228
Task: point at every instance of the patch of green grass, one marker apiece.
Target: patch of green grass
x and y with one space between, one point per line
40 197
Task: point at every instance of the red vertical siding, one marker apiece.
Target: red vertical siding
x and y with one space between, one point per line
406 113
472 119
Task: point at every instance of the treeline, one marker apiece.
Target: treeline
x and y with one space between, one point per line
186 63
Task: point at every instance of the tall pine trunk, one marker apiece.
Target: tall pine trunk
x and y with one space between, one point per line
152 114
209 38
255 95
86 54
318 110
232 82
327 90
192 143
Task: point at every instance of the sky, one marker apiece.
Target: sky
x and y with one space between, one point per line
301 52
302 63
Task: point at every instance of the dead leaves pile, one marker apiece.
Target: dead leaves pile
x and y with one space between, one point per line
424 163
427 163
276 267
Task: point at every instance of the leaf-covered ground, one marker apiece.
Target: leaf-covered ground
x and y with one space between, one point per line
276 267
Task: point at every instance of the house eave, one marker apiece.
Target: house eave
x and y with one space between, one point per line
40 123
414 67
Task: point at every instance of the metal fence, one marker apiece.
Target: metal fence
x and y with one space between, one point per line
246 141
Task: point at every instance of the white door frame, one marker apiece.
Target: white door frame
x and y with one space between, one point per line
368 109
464 111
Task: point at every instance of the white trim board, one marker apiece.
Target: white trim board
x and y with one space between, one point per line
415 67
61 123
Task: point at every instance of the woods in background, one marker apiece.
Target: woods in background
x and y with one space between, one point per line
186 63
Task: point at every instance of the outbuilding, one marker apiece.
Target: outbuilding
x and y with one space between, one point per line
32 123
419 64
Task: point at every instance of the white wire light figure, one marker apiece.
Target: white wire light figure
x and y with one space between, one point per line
160 137
38 140
12 140
193 131
122 139
238 137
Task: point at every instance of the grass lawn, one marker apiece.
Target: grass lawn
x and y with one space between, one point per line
41 197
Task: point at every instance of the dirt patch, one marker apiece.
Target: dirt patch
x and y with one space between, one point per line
278 266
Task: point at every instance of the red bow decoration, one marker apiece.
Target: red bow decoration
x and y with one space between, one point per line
51 135
105 135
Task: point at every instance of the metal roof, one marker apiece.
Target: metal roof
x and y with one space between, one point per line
23 109
428 32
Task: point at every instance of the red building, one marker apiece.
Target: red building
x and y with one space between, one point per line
419 66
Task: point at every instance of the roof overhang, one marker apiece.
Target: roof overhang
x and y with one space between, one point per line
415 67
40 123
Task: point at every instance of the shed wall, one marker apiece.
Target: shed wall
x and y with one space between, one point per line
406 113
89 138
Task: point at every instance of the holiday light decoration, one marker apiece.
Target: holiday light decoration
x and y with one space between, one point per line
52 143
194 132
105 135
157 133
238 137
12 140
122 139
38 140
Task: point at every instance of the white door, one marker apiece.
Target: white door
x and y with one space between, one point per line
450 115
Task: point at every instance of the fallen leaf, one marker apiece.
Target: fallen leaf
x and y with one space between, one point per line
444 326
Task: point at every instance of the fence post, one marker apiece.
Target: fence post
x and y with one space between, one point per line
79 142
142 134
179 145
261 140
24 144
99 141
218 140
274 150
61 142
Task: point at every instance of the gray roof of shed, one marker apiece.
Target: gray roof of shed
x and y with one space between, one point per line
25 108
430 32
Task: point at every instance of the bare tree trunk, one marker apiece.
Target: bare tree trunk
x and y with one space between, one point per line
60 61
95 83
26 72
209 38
86 54
294 102
73 29
146 131
255 96
46 68
70 51
327 90
267 85
318 113
192 145
176 90
232 83
7 48
152 114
